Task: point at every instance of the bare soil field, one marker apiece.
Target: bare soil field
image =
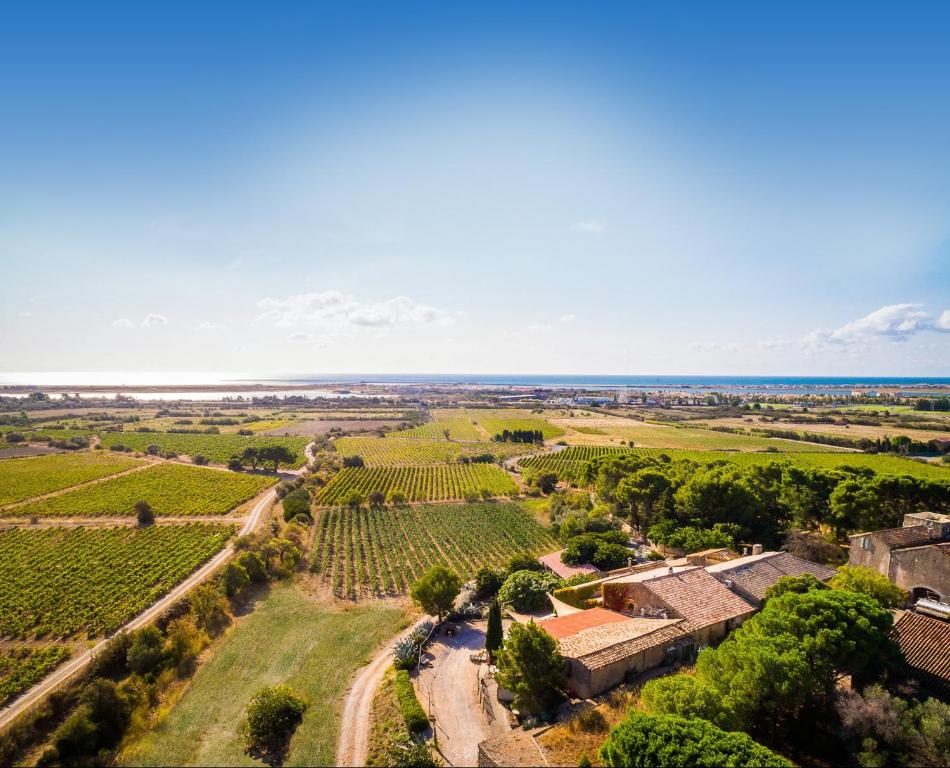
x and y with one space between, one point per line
18 452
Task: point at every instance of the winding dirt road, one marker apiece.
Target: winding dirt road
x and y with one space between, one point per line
76 664
354 728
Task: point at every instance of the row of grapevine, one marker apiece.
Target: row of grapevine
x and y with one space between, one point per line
426 483
394 451
374 552
171 489
569 463
31 476
216 448
22 667
61 582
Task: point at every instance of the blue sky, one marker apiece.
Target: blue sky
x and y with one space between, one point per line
629 188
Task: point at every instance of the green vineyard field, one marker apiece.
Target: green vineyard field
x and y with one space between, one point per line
37 475
216 448
60 582
22 667
374 552
429 483
393 451
171 489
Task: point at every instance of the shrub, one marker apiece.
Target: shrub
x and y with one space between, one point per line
527 591
234 464
145 650
396 498
235 579
522 562
254 566
376 499
353 461
143 513
295 503
405 653
864 581
200 460
435 591
412 711
271 717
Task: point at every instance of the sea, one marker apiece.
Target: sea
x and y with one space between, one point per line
329 385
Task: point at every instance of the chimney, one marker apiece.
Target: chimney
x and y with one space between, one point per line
745 551
670 570
756 549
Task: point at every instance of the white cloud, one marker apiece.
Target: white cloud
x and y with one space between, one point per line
123 322
338 311
567 319
152 320
299 338
25 314
714 346
207 325
590 226
895 322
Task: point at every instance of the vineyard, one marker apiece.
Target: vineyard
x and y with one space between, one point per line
21 668
59 582
459 428
374 552
216 448
24 478
880 463
171 489
496 421
392 451
570 459
432 483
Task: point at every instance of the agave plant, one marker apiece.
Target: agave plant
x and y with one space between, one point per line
405 652
422 634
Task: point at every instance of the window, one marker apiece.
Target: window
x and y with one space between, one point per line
866 542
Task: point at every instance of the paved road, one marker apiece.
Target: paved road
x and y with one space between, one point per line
76 664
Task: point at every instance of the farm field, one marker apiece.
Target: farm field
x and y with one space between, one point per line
880 463
292 638
854 431
394 451
649 435
216 448
171 489
22 667
566 463
313 427
374 552
427 483
25 478
60 582
459 426
496 420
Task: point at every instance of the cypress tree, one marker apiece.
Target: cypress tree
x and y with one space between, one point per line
494 635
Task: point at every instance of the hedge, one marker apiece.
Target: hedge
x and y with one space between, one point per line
412 711
579 596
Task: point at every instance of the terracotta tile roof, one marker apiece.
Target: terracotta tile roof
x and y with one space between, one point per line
565 626
909 536
667 631
606 636
554 563
925 643
699 597
753 578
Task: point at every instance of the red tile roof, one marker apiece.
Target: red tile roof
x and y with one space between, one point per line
909 536
925 643
554 563
564 626
752 579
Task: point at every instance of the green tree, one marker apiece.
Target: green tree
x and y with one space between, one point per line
396 497
487 583
679 742
800 584
530 665
271 717
686 696
209 608
254 564
145 650
494 635
864 581
183 642
143 513
523 562
527 591
235 578
436 590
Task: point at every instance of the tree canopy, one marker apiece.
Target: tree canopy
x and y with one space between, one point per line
531 667
436 590
678 742
864 581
